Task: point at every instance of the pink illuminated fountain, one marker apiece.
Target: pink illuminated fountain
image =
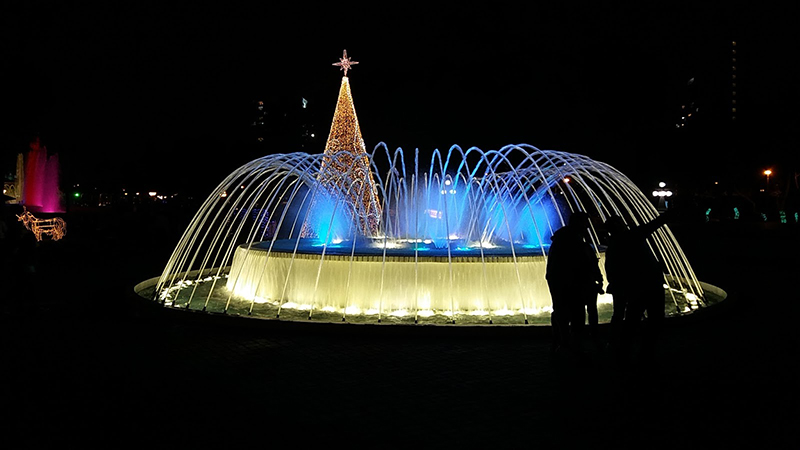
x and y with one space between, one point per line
40 190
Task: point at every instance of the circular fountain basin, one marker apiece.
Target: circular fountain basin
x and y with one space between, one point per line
381 281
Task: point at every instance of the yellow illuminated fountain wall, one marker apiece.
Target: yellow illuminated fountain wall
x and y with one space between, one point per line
346 235
461 288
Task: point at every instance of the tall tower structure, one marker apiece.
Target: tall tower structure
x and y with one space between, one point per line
734 107
345 165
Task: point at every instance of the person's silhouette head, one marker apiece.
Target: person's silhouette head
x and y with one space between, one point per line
615 224
579 220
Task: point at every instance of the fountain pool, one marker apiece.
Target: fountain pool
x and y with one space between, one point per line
457 237
461 238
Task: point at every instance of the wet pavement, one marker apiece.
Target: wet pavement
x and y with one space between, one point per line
86 362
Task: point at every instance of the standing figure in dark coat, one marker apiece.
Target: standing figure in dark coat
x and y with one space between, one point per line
635 281
574 280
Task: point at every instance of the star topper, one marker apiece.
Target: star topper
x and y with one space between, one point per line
345 63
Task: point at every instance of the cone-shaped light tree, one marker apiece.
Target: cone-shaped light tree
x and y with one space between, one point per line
345 166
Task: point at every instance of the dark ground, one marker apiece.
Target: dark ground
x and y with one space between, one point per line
87 363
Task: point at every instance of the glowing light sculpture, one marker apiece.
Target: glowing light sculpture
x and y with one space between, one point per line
56 228
345 63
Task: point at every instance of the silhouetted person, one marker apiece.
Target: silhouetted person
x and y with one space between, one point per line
16 250
635 281
6 248
574 280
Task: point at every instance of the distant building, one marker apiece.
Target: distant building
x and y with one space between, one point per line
285 122
708 95
14 184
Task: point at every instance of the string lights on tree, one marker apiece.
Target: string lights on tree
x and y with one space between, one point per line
345 165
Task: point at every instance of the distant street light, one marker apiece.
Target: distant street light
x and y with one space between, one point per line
662 194
768 172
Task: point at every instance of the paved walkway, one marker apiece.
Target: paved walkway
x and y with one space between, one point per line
86 363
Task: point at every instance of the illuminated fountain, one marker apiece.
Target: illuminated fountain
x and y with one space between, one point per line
385 237
40 180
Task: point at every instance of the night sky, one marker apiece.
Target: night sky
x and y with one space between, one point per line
155 96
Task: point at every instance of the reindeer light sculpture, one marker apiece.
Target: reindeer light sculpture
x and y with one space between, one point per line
55 227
